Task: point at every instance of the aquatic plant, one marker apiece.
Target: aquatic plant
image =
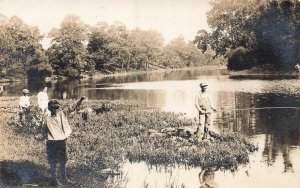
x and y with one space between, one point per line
108 139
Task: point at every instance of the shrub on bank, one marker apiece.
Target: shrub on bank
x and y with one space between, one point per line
241 59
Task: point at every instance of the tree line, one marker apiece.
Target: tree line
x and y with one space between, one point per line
254 33
249 33
78 48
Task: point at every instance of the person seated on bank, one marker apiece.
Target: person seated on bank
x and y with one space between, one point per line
58 129
43 100
205 108
24 105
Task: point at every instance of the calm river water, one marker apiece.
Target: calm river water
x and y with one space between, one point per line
242 107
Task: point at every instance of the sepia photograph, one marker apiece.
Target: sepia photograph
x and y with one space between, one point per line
150 93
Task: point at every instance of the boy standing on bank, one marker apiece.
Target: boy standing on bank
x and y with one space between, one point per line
24 105
58 132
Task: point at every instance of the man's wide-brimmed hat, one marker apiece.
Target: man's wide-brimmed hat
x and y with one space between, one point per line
203 84
25 91
54 104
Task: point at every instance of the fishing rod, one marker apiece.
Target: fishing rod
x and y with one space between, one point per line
258 108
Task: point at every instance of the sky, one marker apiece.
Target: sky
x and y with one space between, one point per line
169 17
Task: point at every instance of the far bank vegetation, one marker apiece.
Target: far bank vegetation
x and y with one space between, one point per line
77 48
260 35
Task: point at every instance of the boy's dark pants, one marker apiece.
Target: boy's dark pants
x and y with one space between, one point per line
57 153
23 114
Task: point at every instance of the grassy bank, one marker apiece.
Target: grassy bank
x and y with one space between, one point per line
117 132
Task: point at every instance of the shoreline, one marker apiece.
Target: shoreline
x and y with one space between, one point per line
264 75
99 75
8 80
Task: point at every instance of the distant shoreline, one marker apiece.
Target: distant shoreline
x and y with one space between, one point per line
7 80
263 74
99 75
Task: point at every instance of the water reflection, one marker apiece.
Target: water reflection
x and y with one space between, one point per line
280 126
141 175
191 74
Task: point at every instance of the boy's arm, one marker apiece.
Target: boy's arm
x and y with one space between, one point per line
74 106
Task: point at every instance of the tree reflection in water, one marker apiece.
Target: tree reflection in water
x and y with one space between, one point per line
280 126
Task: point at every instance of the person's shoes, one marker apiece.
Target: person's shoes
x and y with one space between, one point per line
55 183
67 181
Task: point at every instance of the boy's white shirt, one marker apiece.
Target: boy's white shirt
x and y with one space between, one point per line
59 128
24 101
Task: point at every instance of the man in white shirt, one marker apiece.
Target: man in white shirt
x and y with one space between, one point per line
205 108
24 105
43 100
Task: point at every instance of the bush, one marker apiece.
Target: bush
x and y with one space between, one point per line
16 71
72 73
241 59
39 71
2 74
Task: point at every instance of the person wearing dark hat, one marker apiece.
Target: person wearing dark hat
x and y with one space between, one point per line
58 131
205 108
24 105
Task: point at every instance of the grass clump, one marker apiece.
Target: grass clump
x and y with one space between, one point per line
108 138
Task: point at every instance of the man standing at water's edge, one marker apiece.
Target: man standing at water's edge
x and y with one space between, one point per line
205 108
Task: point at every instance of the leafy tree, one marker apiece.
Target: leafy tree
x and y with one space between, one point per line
114 48
267 29
67 53
98 39
146 47
178 53
202 40
231 22
276 31
39 67
19 43
108 46
119 47
239 59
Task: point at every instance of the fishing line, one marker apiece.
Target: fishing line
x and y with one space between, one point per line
259 108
